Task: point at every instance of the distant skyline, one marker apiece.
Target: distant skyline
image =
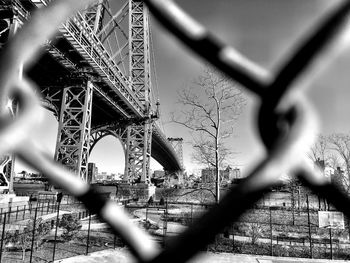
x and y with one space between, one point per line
263 30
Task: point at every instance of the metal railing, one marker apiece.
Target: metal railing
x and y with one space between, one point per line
287 124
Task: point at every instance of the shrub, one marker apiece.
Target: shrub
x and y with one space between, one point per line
71 225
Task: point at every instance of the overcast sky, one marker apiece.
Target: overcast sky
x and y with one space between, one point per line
263 30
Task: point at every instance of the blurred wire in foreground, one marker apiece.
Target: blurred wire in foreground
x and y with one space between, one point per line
287 123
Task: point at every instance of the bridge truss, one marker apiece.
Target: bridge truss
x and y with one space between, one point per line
96 72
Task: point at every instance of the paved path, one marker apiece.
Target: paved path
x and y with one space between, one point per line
122 255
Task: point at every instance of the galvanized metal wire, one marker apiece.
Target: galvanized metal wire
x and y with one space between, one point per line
287 123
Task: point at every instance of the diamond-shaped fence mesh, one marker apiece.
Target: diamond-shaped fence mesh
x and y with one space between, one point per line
286 122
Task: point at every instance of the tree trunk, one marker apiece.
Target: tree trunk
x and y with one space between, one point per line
348 170
217 181
23 254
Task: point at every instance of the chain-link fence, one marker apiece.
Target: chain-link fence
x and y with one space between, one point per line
34 231
263 230
46 231
286 124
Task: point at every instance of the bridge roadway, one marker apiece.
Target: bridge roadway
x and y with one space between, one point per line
75 53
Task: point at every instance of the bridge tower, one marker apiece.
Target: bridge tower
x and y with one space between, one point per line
73 139
177 143
11 16
139 136
87 56
94 15
72 148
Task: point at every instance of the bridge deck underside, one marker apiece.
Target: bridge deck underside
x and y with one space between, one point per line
48 73
164 155
53 72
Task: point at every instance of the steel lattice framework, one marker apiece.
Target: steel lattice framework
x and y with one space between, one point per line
138 154
118 131
93 47
73 138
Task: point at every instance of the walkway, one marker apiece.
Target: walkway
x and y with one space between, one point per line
20 224
122 255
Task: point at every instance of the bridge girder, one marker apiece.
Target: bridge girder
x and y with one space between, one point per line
81 50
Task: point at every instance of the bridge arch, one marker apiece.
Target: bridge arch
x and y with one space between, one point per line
99 133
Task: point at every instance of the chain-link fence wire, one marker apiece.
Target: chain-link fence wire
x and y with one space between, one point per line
286 123
262 230
284 120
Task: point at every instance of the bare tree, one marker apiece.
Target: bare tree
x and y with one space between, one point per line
340 143
254 231
333 161
209 108
334 150
319 150
204 152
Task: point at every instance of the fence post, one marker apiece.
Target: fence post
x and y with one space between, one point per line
293 204
165 223
299 208
59 199
24 211
88 237
233 238
319 203
33 235
271 245
330 241
2 236
16 213
48 208
309 223
9 210
349 227
191 213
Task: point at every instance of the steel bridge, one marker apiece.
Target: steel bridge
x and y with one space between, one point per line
96 77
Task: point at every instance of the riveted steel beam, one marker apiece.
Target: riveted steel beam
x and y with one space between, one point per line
72 149
139 136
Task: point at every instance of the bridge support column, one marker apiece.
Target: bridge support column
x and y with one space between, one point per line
9 25
72 148
138 153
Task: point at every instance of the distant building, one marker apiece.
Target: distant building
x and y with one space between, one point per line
159 174
92 173
237 173
101 176
227 175
208 175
